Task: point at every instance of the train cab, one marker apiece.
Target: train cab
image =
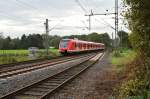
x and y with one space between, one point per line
63 46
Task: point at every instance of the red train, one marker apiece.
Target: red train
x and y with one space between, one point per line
72 46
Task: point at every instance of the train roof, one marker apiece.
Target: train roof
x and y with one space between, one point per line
76 40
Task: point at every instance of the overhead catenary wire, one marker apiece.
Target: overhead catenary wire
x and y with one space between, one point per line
93 8
55 26
85 4
81 6
24 3
27 5
11 17
7 15
84 24
106 23
33 7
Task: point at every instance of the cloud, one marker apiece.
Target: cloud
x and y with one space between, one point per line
19 17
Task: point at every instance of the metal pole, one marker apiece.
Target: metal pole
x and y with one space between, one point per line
91 14
112 39
121 44
47 33
89 23
116 22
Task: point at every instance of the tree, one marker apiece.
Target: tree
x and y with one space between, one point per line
137 14
35 40
124 39
106 39
55 41
139 23
94 37
17 43
23 42
6 43
1 40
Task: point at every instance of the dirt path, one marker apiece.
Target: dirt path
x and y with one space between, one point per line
97 82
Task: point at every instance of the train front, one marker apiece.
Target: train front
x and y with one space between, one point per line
63 46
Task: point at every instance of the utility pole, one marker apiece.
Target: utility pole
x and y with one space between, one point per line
46 36
116 22
112 38
91 14
89 23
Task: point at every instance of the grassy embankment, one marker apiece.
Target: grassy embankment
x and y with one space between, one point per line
11 56
134 87
122 59
120 62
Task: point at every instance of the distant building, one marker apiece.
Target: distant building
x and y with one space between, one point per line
33 52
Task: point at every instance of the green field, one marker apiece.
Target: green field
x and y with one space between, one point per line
24 51
124 58
11 56
2 52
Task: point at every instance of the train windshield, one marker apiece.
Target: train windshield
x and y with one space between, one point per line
64 43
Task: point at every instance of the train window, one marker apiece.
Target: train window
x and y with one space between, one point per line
79 45
75 45
84 45
64 43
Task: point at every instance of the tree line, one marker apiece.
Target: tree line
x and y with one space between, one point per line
37 40
21 43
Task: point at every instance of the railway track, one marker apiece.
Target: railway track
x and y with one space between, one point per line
19 69
31 62
43 89
21 63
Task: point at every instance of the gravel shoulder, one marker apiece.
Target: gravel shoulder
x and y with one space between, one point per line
98 82
16 82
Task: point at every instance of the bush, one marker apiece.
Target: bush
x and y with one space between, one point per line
117 54
139 72
133 88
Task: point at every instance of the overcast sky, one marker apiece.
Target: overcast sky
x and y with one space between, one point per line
19 17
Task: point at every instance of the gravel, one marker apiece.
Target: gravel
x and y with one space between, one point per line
13 83
97 82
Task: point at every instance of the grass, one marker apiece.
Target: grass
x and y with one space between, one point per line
11 56
13 52
25 52
56 51
13 59
125 57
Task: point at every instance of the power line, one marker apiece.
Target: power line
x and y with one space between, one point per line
28 5
19 4
8 15
84 24
85 1
81 6
99 6
116 19
55 26
106 23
